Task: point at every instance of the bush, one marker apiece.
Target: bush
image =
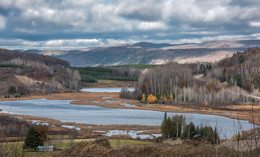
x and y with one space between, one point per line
12 90
22 92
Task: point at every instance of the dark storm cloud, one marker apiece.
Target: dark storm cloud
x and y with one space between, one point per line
84 23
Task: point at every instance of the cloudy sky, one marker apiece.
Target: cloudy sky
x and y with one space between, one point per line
67 24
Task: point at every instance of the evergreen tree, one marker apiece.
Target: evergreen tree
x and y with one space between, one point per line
177 127
189 131
165 116
31 141
167 127
216 138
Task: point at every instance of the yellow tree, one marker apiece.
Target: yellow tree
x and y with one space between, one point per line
151 98
161 98
143 98
171 97
154 98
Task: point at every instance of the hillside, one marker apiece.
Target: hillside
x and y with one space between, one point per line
233 80
151 53
26 73
124 55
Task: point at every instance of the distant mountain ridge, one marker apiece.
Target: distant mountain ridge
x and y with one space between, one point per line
151 53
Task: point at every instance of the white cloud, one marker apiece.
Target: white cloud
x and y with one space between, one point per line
98 15
135 20
118 41
72 42
2 22
200 32
147 26
50 44
256 36
184 10
254 23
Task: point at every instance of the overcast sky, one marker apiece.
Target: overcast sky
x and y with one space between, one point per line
69 24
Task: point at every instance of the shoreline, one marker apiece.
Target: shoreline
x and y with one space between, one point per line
90 129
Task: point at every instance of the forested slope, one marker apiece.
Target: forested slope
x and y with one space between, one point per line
24 73
233 80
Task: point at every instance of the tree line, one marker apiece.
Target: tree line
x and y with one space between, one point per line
176 127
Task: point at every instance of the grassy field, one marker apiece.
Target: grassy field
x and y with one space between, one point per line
60 143
117 143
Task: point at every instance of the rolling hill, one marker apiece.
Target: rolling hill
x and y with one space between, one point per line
29 73
150 53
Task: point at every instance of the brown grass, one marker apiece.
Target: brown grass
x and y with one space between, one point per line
202 148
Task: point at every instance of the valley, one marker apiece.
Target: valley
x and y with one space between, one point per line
110 78
94 102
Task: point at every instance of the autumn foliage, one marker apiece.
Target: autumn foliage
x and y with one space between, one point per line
151 98
143 98
171 97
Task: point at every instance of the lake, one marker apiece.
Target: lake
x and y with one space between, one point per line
64 111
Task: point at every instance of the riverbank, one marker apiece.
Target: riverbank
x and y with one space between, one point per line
82 129
112 100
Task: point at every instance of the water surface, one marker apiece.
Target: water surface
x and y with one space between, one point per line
64 111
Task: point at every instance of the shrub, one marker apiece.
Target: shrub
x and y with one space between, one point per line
12 90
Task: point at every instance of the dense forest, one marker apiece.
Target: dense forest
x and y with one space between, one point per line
93 74
125 72
233 80
24 73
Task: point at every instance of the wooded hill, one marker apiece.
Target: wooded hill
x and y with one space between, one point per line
126 72
233 80
150 53
25 73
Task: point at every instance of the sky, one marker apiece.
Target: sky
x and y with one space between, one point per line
75 24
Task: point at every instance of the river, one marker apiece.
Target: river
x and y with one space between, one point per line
90 114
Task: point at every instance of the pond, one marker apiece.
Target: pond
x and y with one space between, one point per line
105 90
64 111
